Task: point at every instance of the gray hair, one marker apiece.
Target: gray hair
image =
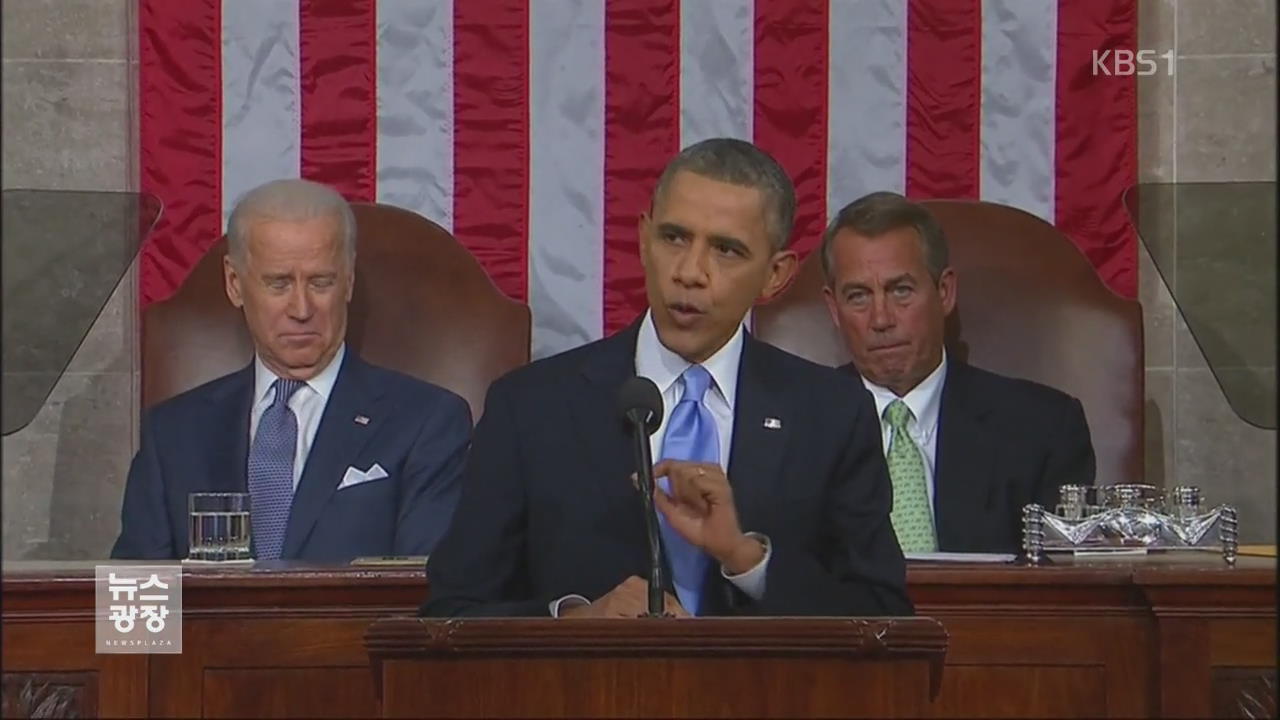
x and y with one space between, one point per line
881 212
740 163
290 200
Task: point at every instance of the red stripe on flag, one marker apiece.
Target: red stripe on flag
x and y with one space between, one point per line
641 134
491 138
1097 138
337 59
180 136
944 105
791 104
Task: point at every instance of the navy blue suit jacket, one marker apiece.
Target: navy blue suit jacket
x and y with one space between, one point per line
198 442
548 507
1002 443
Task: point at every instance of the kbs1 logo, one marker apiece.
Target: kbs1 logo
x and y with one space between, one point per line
1125 63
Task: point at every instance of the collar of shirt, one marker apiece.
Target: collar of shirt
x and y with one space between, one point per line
663 367
321 384
923 400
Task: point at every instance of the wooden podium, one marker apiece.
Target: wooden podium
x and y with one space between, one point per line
701 667
1148 637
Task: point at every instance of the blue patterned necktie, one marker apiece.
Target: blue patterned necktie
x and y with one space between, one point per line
691 435
271 471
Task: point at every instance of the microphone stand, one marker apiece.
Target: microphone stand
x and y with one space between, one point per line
644 472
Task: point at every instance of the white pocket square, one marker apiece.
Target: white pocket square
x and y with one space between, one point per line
355 476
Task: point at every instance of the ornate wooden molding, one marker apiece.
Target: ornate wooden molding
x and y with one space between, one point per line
693 636
50 695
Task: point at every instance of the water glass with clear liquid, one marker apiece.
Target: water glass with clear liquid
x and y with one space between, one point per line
219 526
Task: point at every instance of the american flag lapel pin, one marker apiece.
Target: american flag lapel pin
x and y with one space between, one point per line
772 424
362 419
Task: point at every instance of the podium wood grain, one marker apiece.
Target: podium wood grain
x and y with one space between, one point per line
660 667
1156 638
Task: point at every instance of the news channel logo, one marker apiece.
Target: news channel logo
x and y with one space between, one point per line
1122 62
138 609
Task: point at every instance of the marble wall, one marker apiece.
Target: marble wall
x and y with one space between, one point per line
1213 120
69 120
69 124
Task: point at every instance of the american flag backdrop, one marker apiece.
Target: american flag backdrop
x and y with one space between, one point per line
534 129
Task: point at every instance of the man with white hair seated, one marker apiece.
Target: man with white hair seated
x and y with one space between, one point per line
341 458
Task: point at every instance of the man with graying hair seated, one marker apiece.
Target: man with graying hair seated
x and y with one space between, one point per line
340 458
966 448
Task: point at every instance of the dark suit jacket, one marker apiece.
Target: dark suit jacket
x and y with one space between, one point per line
1002 443
199 441
548 508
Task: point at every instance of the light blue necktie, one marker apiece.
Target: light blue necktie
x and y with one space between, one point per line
691 435
271 471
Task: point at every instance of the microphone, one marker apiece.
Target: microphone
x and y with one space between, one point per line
640 405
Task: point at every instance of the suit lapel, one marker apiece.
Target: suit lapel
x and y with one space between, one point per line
338 441
761 425
227 467
595 414
965 462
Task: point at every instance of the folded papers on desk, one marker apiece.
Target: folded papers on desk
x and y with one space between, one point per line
1257 550
960 557
391 561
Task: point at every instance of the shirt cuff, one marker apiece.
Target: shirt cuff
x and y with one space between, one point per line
751 582
566 603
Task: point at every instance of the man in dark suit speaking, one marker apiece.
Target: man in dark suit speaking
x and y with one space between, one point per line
775 497
966 448
341 458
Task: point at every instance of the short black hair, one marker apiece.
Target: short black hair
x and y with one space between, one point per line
740 163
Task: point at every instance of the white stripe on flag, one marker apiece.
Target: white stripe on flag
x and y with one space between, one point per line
1019 74
566 175
261 137
717 70
415 107
867 101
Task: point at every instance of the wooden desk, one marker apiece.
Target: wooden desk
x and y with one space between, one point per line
1169 636
753 667
1172 638
279 639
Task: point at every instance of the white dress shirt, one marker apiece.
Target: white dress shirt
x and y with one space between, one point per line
924 401
664 367
307 403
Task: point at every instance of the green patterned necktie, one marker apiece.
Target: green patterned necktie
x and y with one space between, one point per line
911 517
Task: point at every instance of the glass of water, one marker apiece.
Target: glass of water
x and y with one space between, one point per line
219 526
